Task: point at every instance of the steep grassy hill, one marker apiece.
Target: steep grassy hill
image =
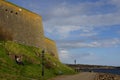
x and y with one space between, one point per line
31 58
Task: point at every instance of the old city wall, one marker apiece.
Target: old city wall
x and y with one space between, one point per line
51 47
24 26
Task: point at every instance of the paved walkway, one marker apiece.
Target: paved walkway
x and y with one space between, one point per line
80 76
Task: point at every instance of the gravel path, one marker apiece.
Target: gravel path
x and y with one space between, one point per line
80 76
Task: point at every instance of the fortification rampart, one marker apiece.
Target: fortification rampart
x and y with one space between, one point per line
23 26
51 47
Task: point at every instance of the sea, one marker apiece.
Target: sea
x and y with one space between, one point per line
111 71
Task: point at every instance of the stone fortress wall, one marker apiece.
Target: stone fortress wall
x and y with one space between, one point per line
23 26
51 47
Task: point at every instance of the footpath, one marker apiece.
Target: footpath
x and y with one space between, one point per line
80 76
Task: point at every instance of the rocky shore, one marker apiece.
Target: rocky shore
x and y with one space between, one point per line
106 76
88 76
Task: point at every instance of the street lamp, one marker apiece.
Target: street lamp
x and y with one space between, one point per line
75 61
43 55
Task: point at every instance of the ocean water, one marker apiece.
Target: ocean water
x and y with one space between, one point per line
112 71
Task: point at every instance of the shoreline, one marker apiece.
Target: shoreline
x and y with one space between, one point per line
107 71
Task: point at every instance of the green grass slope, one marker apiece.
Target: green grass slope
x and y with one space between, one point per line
31 57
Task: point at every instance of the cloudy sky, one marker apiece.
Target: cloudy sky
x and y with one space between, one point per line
87 31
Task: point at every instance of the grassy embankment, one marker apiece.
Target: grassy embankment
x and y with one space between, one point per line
31 57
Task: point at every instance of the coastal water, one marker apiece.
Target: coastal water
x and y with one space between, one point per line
112 71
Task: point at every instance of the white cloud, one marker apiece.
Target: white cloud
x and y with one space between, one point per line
68 18
64 54
60 11
93 44
88 34
68 57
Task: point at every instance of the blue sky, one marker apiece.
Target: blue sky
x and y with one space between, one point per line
85 30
